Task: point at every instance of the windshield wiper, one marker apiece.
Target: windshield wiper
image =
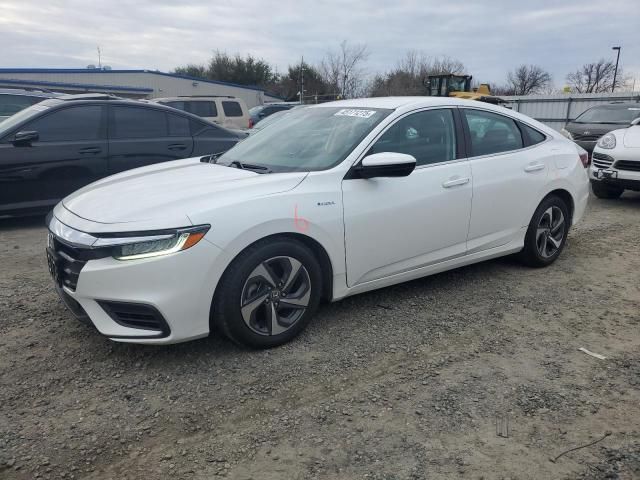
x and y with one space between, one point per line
248 166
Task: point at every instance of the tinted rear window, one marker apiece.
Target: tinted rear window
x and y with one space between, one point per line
232 109
178 126
10 104
532 135
202 108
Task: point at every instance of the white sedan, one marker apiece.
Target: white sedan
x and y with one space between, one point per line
332 200
615 165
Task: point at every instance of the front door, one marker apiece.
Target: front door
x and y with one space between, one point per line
71 152
395 225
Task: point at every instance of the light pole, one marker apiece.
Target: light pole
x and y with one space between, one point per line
615 72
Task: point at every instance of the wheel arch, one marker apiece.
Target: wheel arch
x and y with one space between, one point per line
566 197
326 267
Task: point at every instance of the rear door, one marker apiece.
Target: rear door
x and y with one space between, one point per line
509 175
140 136
71 152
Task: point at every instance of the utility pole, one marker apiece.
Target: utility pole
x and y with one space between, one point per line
302 80
615 72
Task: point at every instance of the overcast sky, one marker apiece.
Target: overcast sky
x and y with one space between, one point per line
490 36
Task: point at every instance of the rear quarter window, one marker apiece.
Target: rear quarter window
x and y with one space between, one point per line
531 135
232 109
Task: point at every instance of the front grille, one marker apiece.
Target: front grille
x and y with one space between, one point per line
585 138
136 315
70 260
69 264
600 160
628 165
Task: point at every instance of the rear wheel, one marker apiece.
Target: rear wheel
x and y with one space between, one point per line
547 233
268 294
604 190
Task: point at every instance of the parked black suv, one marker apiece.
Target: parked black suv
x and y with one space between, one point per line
597 121
59 145
12 100
263 111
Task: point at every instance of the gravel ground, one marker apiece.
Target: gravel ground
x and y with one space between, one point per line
473 373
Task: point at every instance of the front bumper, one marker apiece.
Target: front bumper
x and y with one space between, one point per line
166 299
627 179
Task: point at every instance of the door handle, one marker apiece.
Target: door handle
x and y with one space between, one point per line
177 146
534 167
90 150
454 182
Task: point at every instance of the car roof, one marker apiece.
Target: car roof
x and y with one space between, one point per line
192 97
410 103
113 100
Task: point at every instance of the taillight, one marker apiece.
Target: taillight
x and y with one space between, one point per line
250 122
584 158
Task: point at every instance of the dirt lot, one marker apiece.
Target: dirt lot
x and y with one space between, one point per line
406 382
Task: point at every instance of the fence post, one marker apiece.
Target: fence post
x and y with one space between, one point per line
566 119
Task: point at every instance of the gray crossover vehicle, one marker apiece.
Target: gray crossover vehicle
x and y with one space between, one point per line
598 121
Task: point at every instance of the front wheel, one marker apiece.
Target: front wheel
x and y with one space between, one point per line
604 190
547 233
268 294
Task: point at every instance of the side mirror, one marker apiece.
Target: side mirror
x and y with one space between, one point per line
25 138
385 164
635 122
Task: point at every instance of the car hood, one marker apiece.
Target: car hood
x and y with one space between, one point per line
632 137
164 195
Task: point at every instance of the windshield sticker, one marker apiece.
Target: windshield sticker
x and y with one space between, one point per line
350 112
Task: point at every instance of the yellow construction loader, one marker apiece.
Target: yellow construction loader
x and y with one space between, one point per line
459 86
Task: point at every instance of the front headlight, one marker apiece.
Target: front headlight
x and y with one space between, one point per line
156 245
566 133
607 141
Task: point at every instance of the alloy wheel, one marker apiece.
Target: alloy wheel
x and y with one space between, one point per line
275 295
550 232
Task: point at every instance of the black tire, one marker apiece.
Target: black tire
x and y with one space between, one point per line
531 254
605 190
226 314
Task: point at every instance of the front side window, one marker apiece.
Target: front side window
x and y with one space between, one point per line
232 109
491 133
69 124
307 139
428 136
135 122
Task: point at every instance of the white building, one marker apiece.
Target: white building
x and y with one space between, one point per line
128 83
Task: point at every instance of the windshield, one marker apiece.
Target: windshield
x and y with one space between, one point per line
22 115
307 139
609 114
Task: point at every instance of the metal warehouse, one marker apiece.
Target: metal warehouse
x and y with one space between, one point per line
128 83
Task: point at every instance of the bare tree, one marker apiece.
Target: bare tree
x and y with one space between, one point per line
595 77
344 70
409 74
528 80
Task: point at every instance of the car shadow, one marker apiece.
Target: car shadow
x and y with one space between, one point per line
14 223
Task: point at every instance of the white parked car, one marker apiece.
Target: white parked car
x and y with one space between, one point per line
615 165
330 201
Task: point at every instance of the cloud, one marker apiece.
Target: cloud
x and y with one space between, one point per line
490 36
